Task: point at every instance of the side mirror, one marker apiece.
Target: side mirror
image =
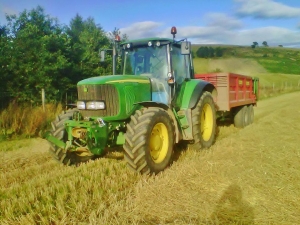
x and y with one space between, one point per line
102 56
185 48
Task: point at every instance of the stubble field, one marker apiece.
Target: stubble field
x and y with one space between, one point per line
249 176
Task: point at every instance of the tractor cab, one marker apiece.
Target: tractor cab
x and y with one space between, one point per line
165 62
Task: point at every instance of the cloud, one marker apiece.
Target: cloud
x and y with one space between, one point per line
142 29
222 20
265 9
5 10
220 28
273 35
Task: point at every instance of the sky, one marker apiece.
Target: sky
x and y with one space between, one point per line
234 22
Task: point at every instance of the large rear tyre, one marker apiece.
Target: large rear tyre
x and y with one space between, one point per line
204 122
59 132
149 141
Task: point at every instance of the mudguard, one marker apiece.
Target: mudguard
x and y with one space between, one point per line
187 99
191 92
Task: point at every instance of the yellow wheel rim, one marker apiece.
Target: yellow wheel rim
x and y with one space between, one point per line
159 142
207 121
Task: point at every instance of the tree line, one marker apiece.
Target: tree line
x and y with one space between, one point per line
37 52
209 52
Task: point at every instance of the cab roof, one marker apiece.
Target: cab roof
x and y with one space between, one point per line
146 40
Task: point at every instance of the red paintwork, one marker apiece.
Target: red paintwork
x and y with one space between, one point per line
233 89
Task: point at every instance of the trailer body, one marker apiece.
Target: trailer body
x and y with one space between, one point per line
233 89
236 93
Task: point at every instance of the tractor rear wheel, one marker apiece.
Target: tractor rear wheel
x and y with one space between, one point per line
149 141
59 132
204 122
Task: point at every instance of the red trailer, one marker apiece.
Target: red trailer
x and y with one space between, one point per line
237 94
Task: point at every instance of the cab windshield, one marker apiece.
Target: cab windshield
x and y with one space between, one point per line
146 61
151 62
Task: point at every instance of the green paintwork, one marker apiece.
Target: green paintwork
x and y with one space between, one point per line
131 90
54 140
98 136
186 92
256 86
114 79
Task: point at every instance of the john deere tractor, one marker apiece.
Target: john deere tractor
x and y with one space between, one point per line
153 105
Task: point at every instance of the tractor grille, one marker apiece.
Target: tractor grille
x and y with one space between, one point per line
104 92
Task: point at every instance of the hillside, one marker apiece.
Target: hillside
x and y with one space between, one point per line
250 176
272 59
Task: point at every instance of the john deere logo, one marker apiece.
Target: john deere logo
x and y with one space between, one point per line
85 89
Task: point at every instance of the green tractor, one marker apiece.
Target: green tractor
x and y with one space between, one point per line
155 104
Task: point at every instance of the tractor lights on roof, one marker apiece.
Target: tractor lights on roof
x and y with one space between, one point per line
117 38
173 31
149 43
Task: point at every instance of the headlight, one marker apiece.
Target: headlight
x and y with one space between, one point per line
80 105
95 105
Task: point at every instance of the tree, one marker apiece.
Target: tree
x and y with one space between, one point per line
202 52
37 52
211 52
36 55
4 61
87 39
219 52
265 44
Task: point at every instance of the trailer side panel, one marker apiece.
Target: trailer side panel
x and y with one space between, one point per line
233 89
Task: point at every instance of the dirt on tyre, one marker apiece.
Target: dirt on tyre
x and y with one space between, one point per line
59 132
204 122
149 141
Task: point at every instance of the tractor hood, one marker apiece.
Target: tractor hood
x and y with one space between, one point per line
118 94
113 79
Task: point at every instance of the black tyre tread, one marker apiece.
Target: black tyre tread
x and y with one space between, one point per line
136 146
198 143
59 132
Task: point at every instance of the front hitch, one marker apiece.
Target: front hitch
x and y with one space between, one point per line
49 137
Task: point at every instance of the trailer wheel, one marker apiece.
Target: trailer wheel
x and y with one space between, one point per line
59 132
149 141
250 111
204 122
241 117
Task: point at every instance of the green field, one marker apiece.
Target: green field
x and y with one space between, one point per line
274 60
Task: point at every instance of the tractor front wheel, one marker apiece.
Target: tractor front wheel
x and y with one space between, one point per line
149 141
204 122
59 132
